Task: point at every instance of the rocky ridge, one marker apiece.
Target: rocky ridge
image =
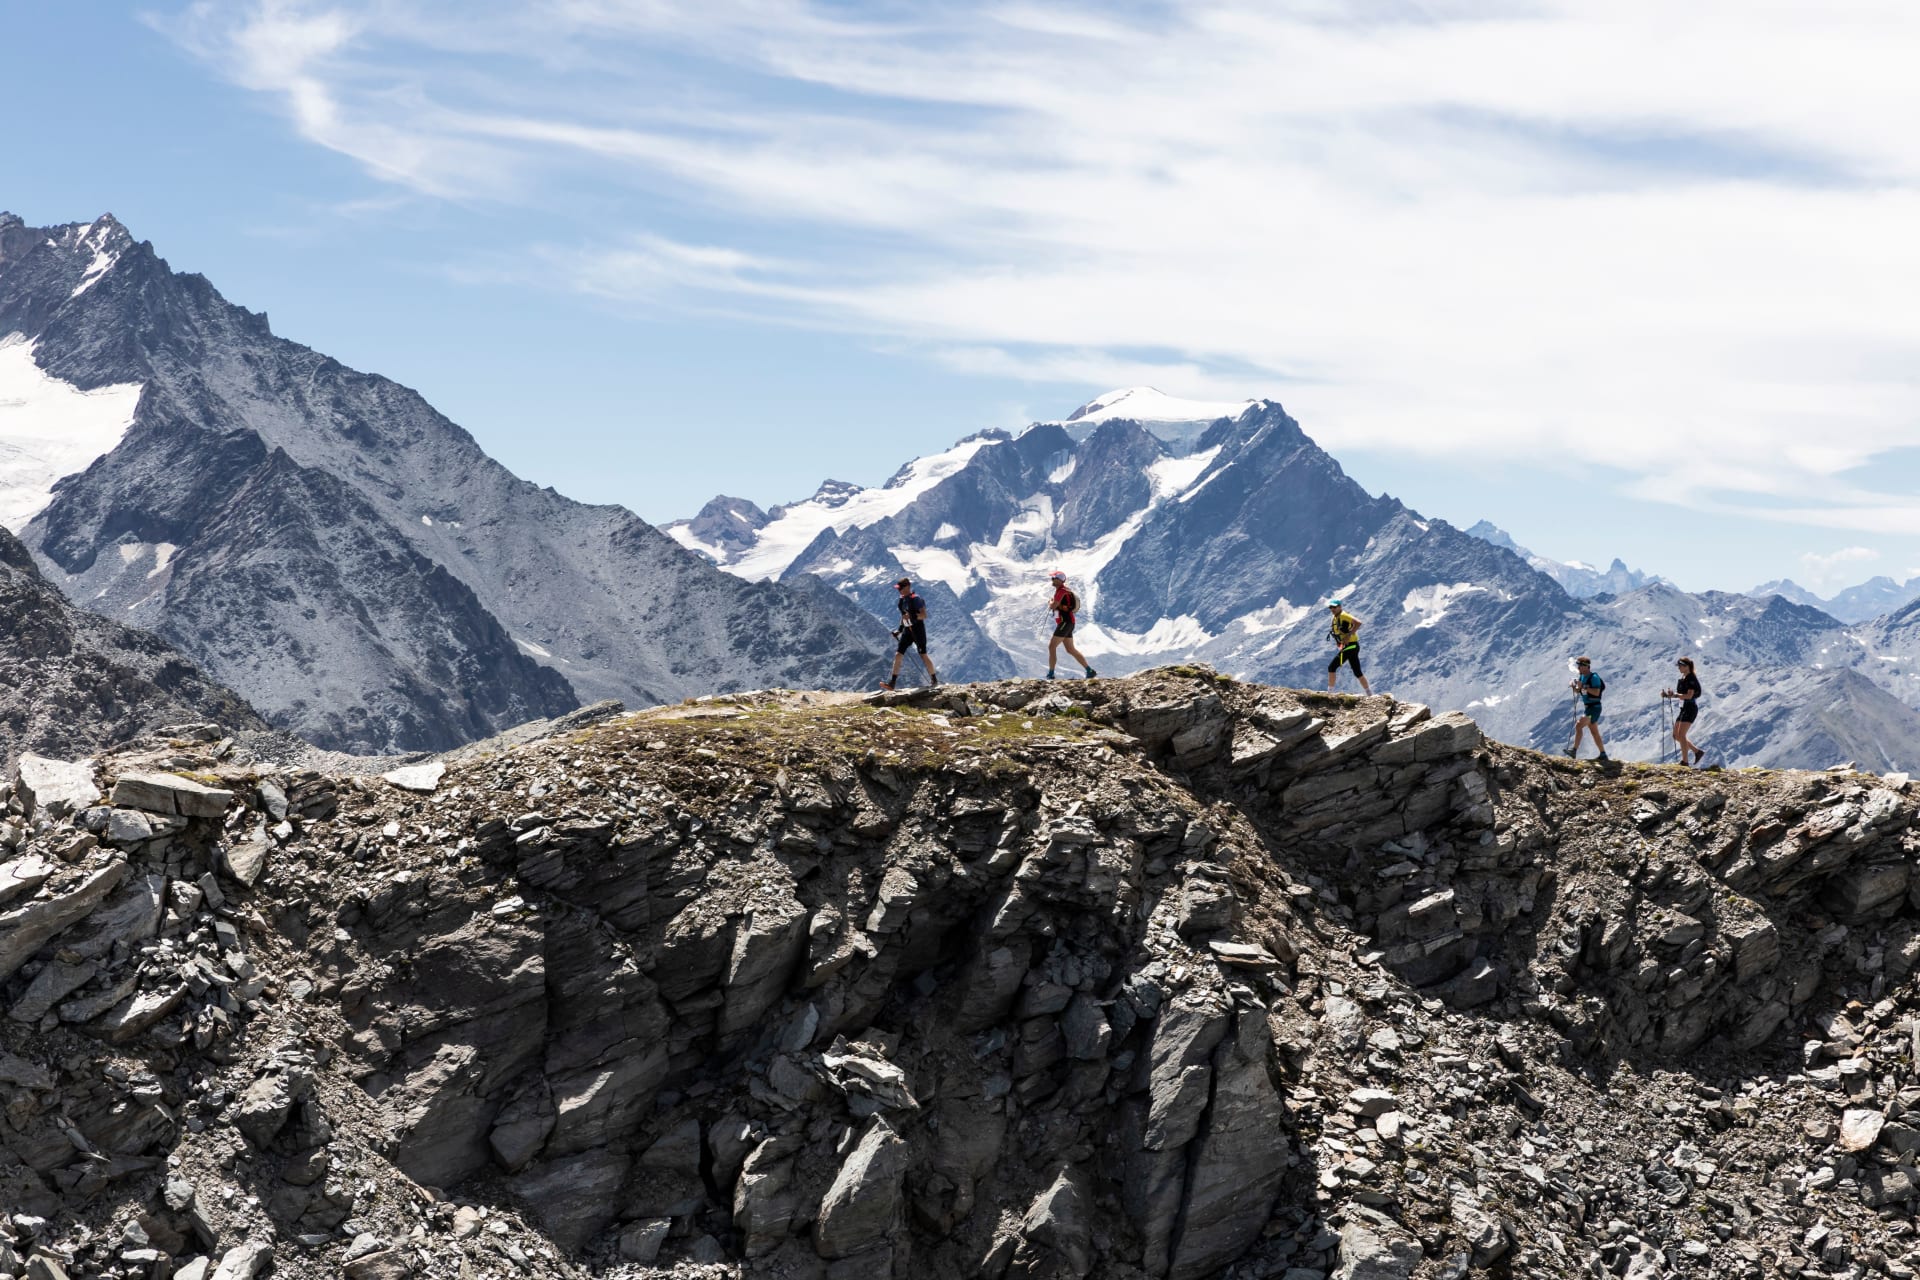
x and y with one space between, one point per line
1163 976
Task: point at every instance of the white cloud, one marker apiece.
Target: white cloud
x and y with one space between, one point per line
1826 571
1677 242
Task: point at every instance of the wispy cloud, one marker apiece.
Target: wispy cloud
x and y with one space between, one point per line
1825 571
1677 241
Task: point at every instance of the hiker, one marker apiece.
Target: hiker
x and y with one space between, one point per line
1588 687
1344 631
1687 689
911 631
1064 606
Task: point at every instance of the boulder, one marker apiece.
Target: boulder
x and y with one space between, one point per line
1056 1235
576 1196
416 777
1240 1159
170 793
25 929
862 1207
53 788
1375 1247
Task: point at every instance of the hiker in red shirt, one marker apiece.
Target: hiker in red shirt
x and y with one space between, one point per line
1065 605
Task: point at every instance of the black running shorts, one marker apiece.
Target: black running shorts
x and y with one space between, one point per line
1063 629
1689 712
1349 654
913 635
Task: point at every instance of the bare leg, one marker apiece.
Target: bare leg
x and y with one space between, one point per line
1598 745
1053 651
894 678
1680 731
927 662
1067 643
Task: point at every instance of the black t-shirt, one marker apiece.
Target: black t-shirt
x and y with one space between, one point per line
1688 689
911 607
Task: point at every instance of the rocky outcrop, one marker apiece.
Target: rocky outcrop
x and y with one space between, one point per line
1161 977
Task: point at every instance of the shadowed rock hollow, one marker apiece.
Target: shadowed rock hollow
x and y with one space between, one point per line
1164 976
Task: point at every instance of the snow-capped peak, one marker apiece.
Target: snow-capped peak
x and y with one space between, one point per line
1174 420
1149 404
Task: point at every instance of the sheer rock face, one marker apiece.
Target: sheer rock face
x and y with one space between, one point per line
1167 976
325 542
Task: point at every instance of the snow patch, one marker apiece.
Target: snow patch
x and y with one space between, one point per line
1060 473
1278 616
50 429
162 557
427 521
1170 476
934 564
782 540
1432 602
683 535
532 648
102 263
1194 492
1167 635
946 531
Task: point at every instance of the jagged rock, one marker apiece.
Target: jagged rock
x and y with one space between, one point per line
1375 1247
577 1196
265 1105
170 793
764 1199
386 1264
25 929
52 788
862 1207
641 1242
246 859
130 916
767 949
1240 1158
1056 1236
1181 1072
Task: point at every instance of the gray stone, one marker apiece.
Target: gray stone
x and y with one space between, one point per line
1056 1235
575 1197
128 827
1241 1158
1860 1129
244 1262
764 1198
640 1241
23 875
246 859
1180 1071
862 1207
138 1013
15 1070
25 929
768 946
129 917
194 1269
1374 1247
1451 734
415 777
170 793
49 987
1086 1028
53 788
264 1106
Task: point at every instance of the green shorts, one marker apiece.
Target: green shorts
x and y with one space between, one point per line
1593 711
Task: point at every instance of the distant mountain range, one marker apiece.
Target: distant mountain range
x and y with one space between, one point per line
1218 537
324 542
1582 581
1874 598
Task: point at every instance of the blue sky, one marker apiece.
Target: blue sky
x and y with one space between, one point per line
1623 284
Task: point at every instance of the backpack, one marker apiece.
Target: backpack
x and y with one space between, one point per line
1069 603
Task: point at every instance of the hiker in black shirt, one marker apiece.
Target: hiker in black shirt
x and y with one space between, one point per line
1688 690
911 631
